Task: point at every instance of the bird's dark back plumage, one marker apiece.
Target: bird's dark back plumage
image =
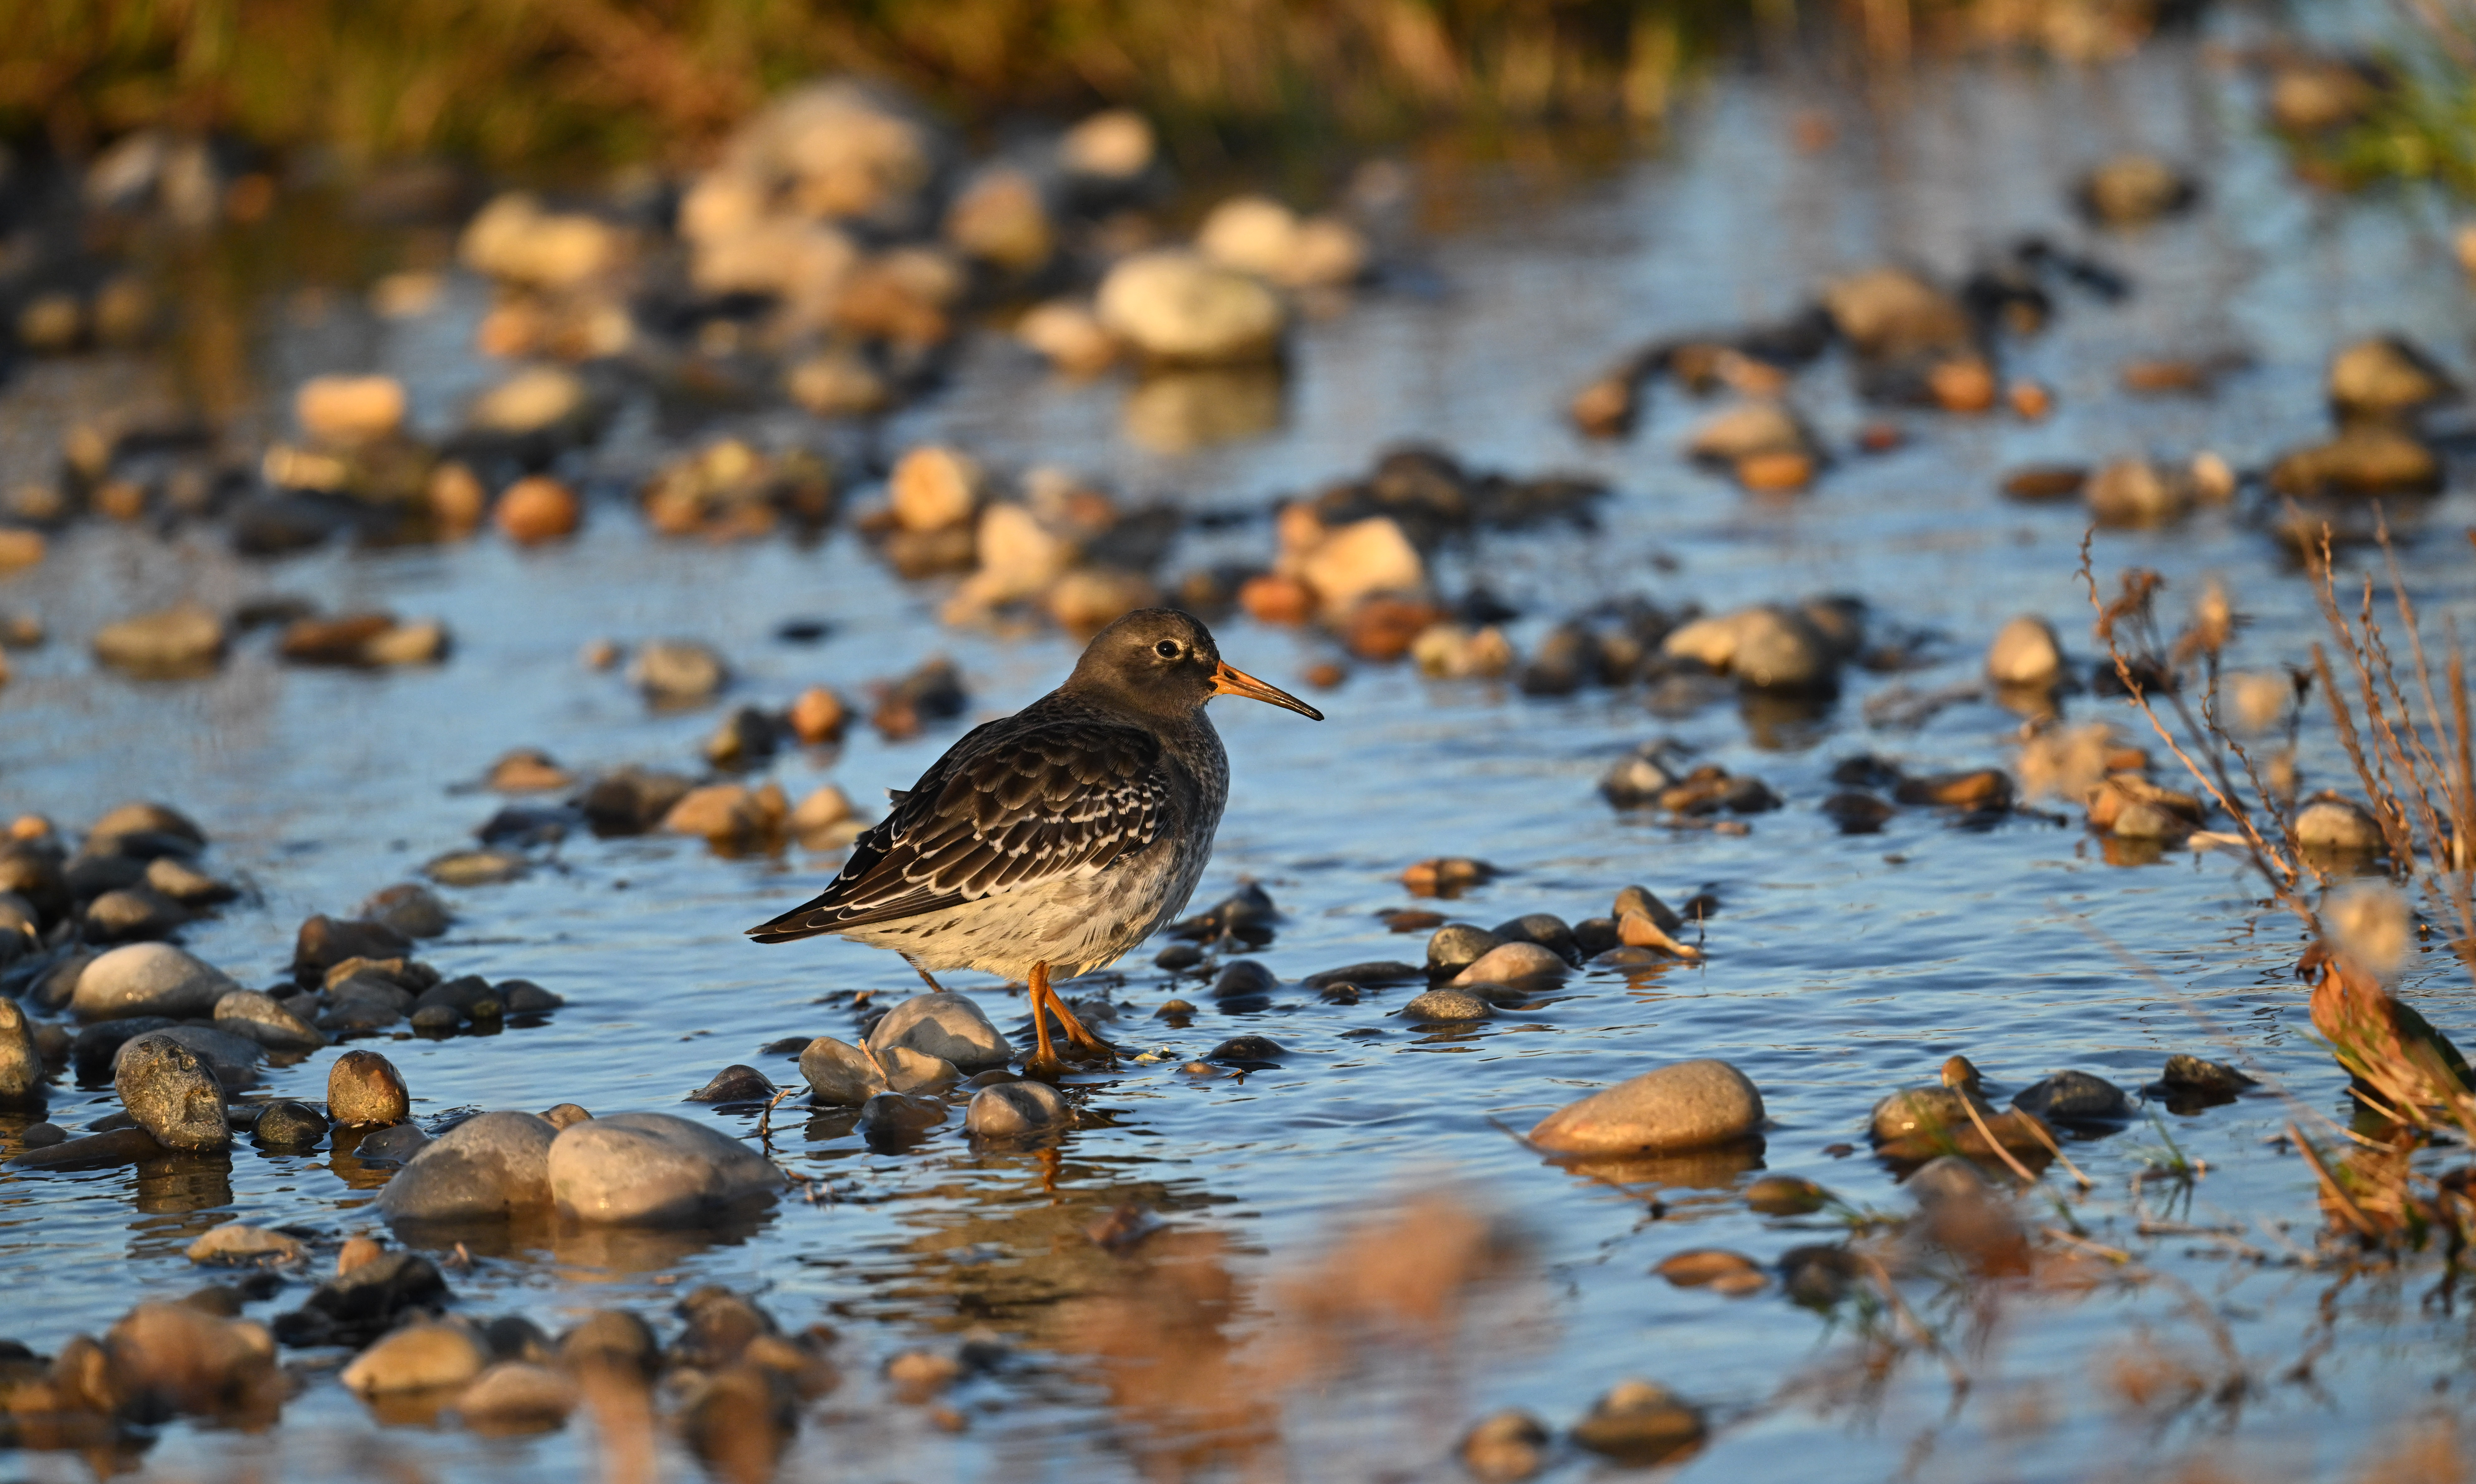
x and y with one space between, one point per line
1061 786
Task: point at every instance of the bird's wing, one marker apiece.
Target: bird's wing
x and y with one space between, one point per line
1059 797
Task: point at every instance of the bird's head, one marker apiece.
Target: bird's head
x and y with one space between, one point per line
1164 662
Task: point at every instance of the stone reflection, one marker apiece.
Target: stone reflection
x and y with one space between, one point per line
177 1184
1183 410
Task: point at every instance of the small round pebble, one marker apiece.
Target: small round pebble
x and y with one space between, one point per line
291 1125
1445 1006
364 1089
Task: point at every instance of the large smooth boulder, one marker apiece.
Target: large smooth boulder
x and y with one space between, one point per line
653 1170
488 1167
148 978
1690 1104
947 1025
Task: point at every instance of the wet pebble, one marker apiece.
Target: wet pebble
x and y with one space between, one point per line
950 1027
170 1358
1732 1274
1456 946
1543 929
395 1144
902 1116
1016 1108
612 1339
2337 824
1638 1423
1447 1007
175 642
490 866
652 1168
148 978
41 1136
1178 307
324 942
232 1059
364 1090
1243 979
21 1065
2076 1097
677 672
171 1093
564 1115
1504 1447
1688 1105
488 1167
1979 788
1766 648
735 1084
1447 875
1857 813
1247 1051
513 1396
1175 1010
133 914
238 1242
1513 963
290 1125
1786 1195
416 1358
2025 652
409 908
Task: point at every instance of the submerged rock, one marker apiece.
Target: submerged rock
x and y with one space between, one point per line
1640 1424
652 1168
2076 1097
1013 1109
1688 1104
488 1167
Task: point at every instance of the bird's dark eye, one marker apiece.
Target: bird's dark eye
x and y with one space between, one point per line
1166 649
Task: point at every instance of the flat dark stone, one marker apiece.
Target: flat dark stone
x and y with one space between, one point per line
1247 1051
1386 970
94 1151
1243 977
735 1084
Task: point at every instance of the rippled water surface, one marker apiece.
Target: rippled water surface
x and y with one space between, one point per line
1841 967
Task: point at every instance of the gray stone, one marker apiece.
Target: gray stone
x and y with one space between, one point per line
2333 822
900 1115
140 817
524 997
1013 1109
2025 652
2076 1097
94 1151
132 913
409 908
515 1396
1445 1006
56 986
360 1007
21 1065
1174 306
488 1167
652 1168
148 978
1947 1179
174 642
1638 1423
170 1092
739 1084
186 884
1513 963
263 1019
477 867
675 672
1387 970
238 1242
396 1144
950 1027
419 1357
233 1059
91 1054
1458 945
436 1019
841 1074
1688 1104
1544 929
290 1126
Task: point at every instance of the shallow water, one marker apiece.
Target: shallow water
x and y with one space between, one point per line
1842 967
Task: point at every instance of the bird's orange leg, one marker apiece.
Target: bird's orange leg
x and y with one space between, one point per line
1075 1030
1047 1055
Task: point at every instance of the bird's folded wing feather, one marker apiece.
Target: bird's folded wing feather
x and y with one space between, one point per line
1044 801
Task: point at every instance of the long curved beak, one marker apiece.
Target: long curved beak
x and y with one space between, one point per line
1229 681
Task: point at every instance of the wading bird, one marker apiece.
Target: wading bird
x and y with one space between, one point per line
1047 843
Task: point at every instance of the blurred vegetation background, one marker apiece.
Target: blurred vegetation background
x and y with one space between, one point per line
527 83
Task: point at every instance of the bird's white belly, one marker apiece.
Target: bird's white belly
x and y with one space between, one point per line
1075 922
